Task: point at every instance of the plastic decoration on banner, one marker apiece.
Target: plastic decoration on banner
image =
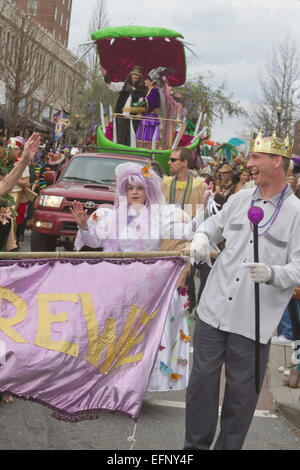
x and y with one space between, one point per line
229 149
62 122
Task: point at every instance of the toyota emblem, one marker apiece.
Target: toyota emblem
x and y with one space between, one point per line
90 205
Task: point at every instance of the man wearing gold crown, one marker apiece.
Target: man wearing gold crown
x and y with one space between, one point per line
225 327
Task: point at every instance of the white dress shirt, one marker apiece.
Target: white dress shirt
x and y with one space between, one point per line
227 301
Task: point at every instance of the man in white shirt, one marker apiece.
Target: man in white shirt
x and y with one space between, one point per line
225 327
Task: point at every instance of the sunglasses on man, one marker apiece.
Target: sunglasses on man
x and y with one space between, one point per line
173 160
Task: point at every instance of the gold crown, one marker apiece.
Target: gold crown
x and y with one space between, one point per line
271 145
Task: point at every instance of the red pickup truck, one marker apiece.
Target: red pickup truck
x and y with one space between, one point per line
88 178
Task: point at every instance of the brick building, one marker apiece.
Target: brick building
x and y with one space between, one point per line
53 15
61 74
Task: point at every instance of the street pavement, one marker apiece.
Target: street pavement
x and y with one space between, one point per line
276 425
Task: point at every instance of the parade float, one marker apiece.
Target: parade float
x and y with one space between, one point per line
154 49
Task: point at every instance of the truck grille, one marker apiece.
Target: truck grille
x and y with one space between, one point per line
95 201
69 227
66 208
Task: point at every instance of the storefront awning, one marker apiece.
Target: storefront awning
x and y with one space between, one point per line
49 124
35 125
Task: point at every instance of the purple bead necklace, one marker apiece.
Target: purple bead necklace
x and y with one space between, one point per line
273 217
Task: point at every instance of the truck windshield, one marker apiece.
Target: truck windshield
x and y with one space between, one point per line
94 170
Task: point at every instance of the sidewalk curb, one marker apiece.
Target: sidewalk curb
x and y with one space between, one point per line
290 413
286 399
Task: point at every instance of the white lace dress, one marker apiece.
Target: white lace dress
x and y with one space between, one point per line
171 368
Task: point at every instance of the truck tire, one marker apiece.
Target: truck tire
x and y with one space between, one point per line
41 242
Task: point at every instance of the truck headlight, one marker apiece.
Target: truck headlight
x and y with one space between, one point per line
50 201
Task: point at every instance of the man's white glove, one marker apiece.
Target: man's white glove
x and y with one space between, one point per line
200 250
259 272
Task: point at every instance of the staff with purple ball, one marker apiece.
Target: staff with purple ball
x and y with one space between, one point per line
256 215
232 323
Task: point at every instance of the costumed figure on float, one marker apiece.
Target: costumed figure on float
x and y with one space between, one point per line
131 92
149 125
160 53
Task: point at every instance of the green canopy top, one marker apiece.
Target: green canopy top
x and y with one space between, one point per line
134 32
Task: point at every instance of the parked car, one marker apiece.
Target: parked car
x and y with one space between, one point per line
88 178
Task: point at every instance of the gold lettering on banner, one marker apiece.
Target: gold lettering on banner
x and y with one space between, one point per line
108 340
45 320
132 340
123 342
7 324
96 345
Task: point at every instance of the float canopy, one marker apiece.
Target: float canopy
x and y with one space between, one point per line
121 48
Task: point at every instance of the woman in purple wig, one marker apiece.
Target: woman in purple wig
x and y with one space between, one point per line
139 220
150 122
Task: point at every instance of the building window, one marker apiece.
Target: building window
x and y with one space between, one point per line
2 93
55 13
46 112
32 7
22 106
36 108
61 19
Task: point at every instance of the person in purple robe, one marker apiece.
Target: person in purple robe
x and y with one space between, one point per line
150 122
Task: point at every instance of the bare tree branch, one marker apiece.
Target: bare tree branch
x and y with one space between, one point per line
275 109
99 21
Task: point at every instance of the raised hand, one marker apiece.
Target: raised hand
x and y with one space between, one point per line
80 215
31 147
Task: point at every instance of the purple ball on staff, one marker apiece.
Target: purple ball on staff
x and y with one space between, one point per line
255 214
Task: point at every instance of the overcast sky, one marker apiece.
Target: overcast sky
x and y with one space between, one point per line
231 37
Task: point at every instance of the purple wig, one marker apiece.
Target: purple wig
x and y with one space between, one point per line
132 173
296 159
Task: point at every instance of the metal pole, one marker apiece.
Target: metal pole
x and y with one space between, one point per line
132 135
257 313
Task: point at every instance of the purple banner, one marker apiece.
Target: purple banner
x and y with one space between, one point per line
82 336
